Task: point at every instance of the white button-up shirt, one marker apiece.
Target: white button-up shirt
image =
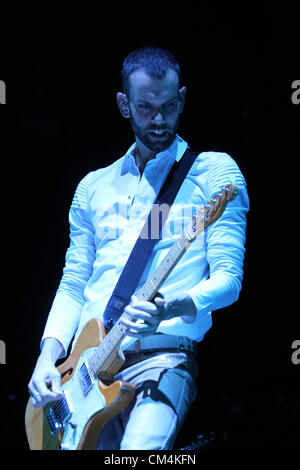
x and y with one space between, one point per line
107 214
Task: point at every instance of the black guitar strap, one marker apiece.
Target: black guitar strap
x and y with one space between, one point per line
144 245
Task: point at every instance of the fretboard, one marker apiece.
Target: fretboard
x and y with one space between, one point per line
112 341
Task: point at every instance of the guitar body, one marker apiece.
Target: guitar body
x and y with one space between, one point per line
76 420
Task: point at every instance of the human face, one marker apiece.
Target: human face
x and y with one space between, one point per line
153 107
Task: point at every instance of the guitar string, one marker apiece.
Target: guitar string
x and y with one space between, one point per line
59 408
147 290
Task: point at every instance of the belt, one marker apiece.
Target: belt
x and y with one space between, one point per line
161 341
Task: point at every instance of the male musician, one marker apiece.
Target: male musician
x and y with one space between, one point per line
106 217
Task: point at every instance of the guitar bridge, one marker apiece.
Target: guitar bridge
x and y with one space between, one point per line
58 414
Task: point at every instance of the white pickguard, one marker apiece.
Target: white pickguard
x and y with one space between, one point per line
82 407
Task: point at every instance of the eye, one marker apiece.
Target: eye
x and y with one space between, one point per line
144 106
172 105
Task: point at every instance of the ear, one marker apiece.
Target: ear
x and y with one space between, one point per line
123 105
182 95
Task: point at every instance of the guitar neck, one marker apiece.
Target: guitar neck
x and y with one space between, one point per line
114 338
152 285
209 213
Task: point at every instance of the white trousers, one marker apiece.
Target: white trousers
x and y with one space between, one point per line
165 388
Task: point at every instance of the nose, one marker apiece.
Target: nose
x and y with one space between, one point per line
158 118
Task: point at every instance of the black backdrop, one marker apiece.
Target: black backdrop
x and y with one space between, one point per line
61 66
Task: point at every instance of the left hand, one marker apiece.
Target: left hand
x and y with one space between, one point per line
145 316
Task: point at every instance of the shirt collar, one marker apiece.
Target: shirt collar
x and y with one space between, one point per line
173 152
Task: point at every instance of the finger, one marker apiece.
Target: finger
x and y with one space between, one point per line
141 334
145 306
34 392
39 400
138 333
35 401
159 301
56 384
41 392
138 325
140 328
142 313
44 387
141 320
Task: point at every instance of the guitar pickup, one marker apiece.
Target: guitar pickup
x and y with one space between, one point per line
85 378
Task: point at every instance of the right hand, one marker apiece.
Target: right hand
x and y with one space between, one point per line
44 385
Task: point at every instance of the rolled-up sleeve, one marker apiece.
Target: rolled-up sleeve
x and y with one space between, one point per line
225 241
65 312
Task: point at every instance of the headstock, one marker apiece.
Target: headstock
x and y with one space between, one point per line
211 211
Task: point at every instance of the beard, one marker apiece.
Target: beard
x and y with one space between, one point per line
153 142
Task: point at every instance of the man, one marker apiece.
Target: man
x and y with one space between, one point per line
106 217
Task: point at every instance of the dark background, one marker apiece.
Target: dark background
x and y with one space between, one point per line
61 65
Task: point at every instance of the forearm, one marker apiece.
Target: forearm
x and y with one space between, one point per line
62 321
219 291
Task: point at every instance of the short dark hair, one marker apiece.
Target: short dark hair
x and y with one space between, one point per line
152 60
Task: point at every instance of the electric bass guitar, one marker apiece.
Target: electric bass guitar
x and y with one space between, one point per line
75 421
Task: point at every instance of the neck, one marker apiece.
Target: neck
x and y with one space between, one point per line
142 155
